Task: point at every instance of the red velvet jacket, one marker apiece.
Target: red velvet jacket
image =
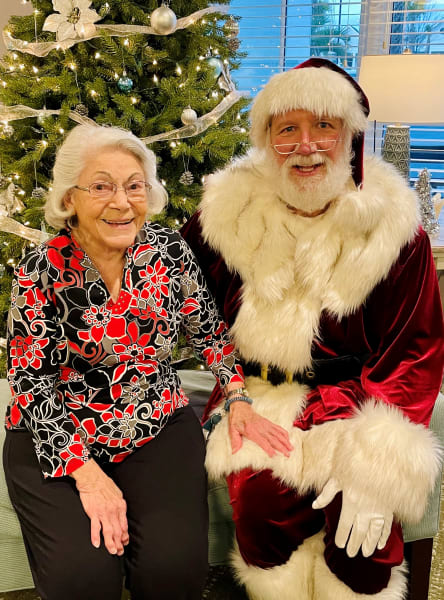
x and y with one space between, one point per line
400 327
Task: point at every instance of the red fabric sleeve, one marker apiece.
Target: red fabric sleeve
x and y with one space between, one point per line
402 325
225 286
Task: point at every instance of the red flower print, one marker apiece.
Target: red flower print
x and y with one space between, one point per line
167 403
35 300
217 353
56 258
96 315
143 308
120 457
27 351
189 306
158 281
122 304
75 455
103 323
24 278
15 416
133 347
23 399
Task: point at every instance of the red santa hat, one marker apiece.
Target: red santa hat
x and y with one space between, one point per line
321 87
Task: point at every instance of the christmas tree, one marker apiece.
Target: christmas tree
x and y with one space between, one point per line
426 207
162 72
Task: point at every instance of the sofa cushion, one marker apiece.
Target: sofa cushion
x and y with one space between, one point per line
14 569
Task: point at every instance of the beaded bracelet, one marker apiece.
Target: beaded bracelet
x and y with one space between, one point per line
234 398
242 391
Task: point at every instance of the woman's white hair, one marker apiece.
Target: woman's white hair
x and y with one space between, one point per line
84 140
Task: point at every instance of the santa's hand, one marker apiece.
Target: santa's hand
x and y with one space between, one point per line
363 524
245 422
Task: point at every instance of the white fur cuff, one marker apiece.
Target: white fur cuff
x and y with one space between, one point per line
281 404
388 458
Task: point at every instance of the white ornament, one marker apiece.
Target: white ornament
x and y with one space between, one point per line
9 203
188 116
76 19
163 20
438 203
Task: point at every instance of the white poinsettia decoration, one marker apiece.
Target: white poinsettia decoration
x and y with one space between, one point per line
75 19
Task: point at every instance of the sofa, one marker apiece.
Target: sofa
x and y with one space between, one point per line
14 569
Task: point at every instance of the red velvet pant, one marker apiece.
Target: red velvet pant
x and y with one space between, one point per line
272 521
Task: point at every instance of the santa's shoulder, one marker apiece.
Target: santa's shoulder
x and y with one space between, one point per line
384 203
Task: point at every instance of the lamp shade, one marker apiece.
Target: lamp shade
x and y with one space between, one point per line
404 88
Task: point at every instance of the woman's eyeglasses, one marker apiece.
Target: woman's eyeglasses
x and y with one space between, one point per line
106 190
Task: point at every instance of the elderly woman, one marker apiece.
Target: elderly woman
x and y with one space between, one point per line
97 408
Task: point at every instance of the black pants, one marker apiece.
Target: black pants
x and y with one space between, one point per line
164 485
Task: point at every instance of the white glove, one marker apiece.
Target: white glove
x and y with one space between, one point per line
361 522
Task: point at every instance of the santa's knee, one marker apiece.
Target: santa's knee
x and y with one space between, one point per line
272 521
376 582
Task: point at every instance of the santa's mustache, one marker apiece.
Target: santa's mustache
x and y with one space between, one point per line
298 160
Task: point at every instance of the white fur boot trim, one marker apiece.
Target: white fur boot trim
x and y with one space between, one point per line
328 587
290 581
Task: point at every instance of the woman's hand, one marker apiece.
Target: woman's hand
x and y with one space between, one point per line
103 502
243 421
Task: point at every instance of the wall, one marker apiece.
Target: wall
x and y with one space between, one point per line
9 8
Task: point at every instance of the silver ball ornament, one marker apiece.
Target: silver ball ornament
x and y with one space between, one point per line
216 65
163 20
188 116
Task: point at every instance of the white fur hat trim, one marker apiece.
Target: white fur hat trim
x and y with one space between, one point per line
319 90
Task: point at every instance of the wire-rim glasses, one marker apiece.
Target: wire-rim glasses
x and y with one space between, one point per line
315 146
106 190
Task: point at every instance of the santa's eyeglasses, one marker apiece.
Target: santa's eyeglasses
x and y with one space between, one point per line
315 146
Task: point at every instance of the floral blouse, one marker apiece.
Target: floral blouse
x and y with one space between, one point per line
90 377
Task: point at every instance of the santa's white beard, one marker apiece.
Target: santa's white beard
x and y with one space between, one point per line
312 193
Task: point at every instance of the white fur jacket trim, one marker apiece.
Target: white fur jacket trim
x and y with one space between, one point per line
378 452
292 267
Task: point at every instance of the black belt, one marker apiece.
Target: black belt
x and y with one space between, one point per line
326 371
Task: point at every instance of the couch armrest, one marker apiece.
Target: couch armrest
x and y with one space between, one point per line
429 524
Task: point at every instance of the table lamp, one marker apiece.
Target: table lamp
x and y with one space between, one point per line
403 88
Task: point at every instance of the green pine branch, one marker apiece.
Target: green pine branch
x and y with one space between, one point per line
90 74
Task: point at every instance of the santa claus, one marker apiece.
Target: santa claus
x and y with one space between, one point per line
317 260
